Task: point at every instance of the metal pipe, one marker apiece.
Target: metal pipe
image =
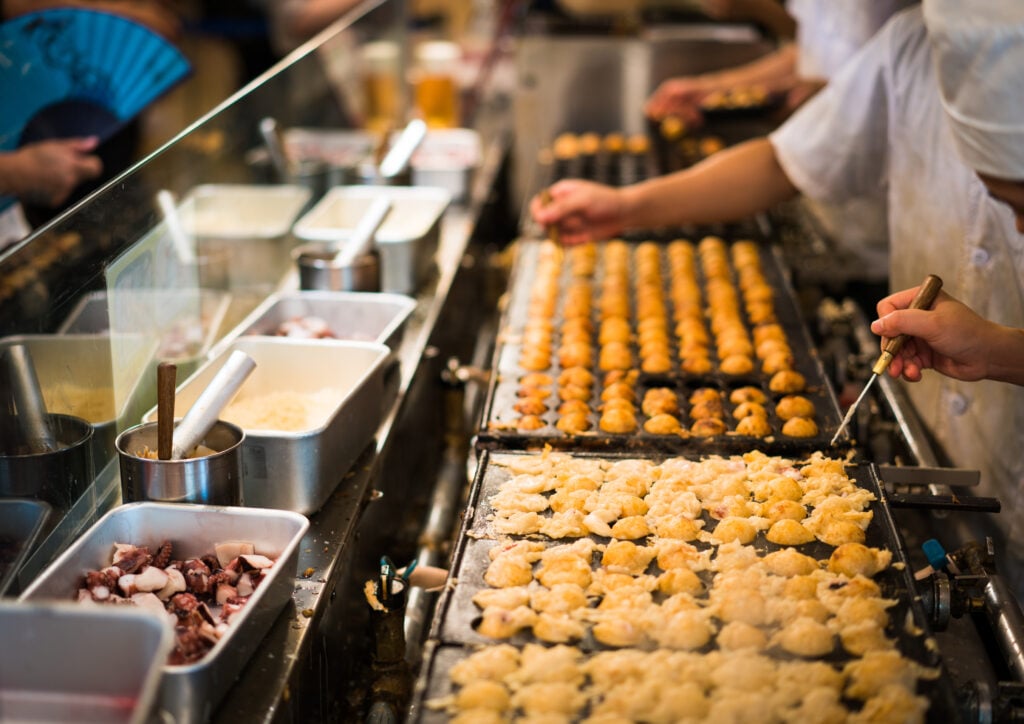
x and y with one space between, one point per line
1005 614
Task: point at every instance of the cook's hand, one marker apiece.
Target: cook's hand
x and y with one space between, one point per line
48 171
949 338
679 97
581 210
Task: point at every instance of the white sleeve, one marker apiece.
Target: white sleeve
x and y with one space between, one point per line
836 146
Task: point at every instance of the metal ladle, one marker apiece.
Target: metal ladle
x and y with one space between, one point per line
28 399
206 409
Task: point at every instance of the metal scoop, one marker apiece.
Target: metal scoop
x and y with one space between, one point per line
398 158
361 241
28 399
206 409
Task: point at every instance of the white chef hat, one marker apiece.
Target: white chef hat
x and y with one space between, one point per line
978 50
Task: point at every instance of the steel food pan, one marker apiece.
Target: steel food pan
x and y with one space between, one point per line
62 662
457 616
356 316
78 377
243 231
407 240
184 340
448 158
21 522
190 693
298 470
499 428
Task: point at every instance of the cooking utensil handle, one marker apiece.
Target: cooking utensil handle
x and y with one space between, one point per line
551 229
273 137
398 158
28 398
924 299
166 376
361 240
206 409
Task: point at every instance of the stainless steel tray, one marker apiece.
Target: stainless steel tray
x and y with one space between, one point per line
407 240
62 662
352 316
298 470
189 693
21 521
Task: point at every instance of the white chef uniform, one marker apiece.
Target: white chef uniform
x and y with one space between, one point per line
829 33
13 226
880 123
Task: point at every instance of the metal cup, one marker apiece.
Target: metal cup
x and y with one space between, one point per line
58 477
319 271
210 480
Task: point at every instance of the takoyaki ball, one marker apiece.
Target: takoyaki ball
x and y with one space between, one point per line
657 364
530 422
758 291
705 394
614 329
792 406
619 391
735 345
539 325
618 421
707 409
566 146
710 145
693 349
576 354
660 400
772 346
590 143
653 333
663 424
615 356
754 426
618 403
761 312
530 406
577 324
736 364
536 379
578 376
638 144
535 360
787 381
577 306
695 365
652 308
628 376
573 392
570 406
654 348
537 339
776 362
648 325
672 127
768 331
614 305
800 427
708 427
528 391
749 409
614 143
573 423
747 394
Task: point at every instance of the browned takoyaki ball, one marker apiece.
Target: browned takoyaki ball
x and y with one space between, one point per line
570 406
697 365
754 426
787 381
736 364
578 376
659 400
614 329
615 356
573 423
708 427
663 424
800 427
792 406
530 406
657 364
536 379
776 362
748 409
530 422
575 354
620 390
574 392
618 421
747 394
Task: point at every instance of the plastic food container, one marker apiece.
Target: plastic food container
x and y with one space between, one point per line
188 693
407 240
225 217
351 316
298 470
62 662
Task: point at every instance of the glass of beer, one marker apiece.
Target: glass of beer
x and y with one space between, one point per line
436 92
381 76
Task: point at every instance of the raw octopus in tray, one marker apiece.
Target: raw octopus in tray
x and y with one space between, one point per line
661 346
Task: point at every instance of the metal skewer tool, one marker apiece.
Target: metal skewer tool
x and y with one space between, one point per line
924 299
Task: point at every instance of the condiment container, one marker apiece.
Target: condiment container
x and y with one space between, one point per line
58 477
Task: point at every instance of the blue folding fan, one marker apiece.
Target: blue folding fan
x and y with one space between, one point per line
75 72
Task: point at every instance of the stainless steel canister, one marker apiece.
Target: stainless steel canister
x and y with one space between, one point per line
210 480
57 477
319 271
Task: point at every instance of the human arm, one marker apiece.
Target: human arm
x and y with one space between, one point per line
48 171
682 96
769 14
154 14
949 338
730 185
302 19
